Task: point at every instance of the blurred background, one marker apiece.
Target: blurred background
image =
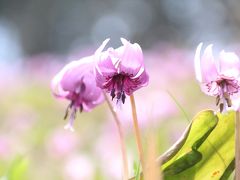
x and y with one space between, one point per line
37 37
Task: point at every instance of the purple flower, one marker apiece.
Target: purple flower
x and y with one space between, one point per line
76 82
120 71
219 77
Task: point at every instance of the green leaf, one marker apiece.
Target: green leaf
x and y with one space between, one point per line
18 168
228 171
207 151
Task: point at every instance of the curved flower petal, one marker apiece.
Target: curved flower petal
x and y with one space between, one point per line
236 102
208 67
105 64
76 82
91 92
197 63
56 86
61 84
100 49
211 89
135 83
73 75
229 64
121 70
131 57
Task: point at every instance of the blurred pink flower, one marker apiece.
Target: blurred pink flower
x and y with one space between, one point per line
79 167
5 147
154 110
76 82
107 150
218 77
120 71
62 143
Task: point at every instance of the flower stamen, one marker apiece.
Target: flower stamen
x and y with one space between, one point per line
117 88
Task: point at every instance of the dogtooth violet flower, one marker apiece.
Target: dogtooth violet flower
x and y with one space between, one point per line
219 76
120 71
76 83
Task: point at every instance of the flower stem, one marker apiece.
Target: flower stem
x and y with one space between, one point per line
121 136
137 131
237 147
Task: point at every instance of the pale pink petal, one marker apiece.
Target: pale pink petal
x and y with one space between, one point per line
76 82
74 73
56 86
131 57
92 96
208 66
211 89
197 63
131 85
60 90
229 64
120 70
105 64
100 49
236 102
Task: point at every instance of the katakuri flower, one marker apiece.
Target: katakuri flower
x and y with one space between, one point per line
219 76
76 83
120 71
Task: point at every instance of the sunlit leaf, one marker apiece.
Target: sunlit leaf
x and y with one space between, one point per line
208 150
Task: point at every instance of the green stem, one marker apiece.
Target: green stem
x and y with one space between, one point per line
121 137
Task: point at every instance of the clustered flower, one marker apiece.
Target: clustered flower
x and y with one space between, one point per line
119 72
219 76
76 83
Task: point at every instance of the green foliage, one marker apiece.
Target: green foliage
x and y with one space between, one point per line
137 171
206 151
18 169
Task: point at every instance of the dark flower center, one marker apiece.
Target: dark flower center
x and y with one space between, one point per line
117 87
227 88
76 101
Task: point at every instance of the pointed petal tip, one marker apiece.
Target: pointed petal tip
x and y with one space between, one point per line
197 63
106 40
209 47
199 47
123 39
200 44
102 46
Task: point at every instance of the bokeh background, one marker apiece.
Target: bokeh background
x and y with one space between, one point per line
37 37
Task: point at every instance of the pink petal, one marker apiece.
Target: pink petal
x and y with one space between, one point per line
197 63
104 43
133 84
56 85
211 89
74 73
131 57
92 95
208 66
105 64
229 64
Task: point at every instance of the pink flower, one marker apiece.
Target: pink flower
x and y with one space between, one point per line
76 82
218 76
79 167
120 71
61 144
